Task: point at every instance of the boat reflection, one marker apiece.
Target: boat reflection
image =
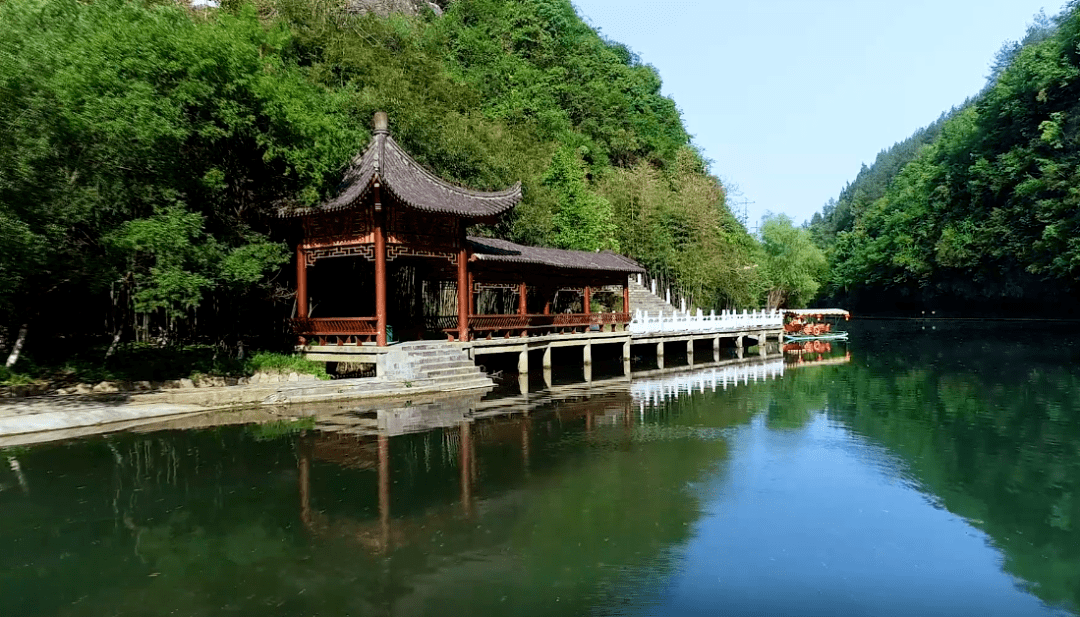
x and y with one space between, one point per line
817 352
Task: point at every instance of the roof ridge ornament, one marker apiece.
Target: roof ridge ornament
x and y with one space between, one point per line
382 130
382 123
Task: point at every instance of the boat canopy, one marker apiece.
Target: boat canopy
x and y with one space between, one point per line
818 311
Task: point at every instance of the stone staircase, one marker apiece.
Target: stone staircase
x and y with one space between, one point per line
426 366
643 299
433 363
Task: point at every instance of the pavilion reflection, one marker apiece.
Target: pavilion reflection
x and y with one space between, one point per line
473 450
382 442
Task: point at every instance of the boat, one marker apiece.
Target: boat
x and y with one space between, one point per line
813 325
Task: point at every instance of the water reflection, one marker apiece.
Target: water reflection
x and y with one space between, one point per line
763 486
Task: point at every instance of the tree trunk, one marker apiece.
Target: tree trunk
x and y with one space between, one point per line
113 345
14 357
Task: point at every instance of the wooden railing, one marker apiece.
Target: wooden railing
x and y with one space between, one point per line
488 326
336 330
355 330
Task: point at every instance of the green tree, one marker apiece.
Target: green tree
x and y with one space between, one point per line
793 265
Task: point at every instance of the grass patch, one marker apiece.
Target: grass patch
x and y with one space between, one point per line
11 378
271 362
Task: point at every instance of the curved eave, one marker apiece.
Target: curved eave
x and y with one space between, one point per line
409 184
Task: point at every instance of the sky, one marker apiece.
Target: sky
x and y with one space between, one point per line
788 98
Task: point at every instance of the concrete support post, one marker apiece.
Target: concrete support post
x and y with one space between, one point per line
716 349
660 355
547 358
690 352
523 362
586 353
523 383
626 358
547 377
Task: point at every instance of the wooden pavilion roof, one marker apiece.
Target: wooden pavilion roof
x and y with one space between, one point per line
409 183
502 251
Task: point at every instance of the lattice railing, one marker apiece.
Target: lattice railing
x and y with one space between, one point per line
488 326
336 330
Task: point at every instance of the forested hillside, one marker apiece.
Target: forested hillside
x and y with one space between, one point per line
143 146
978 213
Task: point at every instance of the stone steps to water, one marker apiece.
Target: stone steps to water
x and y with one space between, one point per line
434 363
643 299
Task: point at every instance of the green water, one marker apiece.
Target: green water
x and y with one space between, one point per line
934 473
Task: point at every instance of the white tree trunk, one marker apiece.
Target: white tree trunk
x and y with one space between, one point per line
113 345
14 356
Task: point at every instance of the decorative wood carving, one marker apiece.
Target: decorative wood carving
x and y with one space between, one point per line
412 228
367 251
394 251
339 228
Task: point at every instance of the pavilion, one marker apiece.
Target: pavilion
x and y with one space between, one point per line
411 269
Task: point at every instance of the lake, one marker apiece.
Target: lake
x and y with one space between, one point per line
922 468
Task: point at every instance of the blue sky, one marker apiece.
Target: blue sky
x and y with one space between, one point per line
788 98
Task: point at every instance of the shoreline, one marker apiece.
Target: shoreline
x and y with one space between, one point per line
61 416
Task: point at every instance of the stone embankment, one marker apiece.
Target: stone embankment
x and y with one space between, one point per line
109 406
114 387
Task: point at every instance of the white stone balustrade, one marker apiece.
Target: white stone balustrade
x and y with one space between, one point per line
684 321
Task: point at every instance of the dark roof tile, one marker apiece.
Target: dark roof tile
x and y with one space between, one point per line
410 184
492 250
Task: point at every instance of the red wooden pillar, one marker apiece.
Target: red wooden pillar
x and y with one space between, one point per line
380 270
588 299
472 295
301 283
625 297
463 294
523 307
